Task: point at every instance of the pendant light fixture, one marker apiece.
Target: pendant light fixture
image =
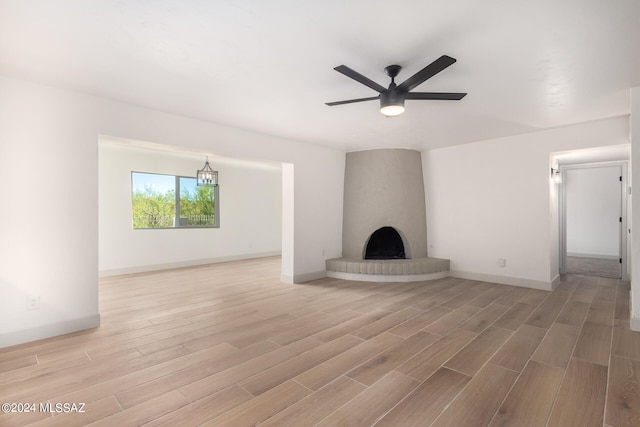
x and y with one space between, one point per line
207 177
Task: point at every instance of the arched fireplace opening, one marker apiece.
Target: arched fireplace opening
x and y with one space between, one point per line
385 243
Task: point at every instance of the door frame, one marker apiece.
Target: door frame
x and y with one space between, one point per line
624 230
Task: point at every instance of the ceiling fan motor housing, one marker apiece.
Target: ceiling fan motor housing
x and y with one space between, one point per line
391 102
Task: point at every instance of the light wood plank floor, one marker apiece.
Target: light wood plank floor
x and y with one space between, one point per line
228 344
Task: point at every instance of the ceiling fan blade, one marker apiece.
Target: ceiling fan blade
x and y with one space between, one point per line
435 95
359 78
350 101
426 73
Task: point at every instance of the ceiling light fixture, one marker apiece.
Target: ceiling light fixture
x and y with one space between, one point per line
392 98
391 103
207 177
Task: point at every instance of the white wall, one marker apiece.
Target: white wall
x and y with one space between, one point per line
593 208
635 208
250 212
288 203
49 243
492 199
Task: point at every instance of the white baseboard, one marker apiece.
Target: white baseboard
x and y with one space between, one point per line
599 256
179 264
307 277
387 277
506 280
301 278
48 331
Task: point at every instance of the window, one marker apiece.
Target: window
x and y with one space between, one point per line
157 200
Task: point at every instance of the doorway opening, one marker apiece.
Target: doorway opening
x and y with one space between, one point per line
593 219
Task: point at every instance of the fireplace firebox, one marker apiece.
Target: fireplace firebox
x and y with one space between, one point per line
385 243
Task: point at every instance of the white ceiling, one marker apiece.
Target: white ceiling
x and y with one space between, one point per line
267 66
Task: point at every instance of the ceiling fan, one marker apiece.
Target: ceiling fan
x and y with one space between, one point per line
392 98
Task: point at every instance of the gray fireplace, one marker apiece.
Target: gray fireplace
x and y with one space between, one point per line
384 190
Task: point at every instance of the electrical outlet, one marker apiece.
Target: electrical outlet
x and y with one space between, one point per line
502 262
33 302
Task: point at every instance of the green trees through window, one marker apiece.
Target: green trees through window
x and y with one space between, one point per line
168 201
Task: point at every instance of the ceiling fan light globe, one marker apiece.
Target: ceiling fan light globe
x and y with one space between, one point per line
392 110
